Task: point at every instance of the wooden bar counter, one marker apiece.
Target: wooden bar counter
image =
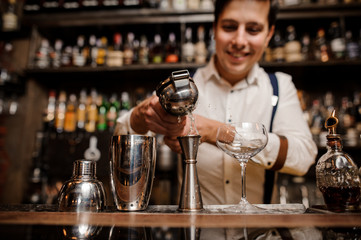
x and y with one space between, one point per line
166 216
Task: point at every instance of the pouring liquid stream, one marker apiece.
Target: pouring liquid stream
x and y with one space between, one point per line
193 128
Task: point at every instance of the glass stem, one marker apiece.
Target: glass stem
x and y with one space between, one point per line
243 179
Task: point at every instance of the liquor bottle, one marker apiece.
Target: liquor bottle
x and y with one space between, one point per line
115 54
292 48
352 47
143 53
55 55
171 49
132 3
193 4
359 42
179 5
278 43
60 112
112 114
81 111
200 48
188 47
337 174
136 46
102 113
346 116
291 2
306 50
67 57
92 51
139 95
50 5
49 112
111 3
125 104
164 4
42 58
316 119
91 112
129 49
357 110
71 4
337 41
207 5
91 4
152 3
328 104
10 17
102 51
321 50
70 114
156 51
31 6
79 58
211 44
36 189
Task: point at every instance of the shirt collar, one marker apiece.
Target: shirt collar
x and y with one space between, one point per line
212 74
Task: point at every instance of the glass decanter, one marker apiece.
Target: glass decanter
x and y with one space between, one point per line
337 174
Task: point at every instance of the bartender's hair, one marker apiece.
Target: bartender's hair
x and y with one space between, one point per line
272 14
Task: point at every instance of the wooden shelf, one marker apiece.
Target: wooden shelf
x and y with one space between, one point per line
170 66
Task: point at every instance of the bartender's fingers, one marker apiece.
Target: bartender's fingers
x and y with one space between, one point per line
162 122
173 143
166 117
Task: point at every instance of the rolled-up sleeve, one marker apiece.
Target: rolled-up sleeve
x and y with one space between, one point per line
289 122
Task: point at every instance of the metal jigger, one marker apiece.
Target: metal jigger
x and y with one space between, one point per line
190 198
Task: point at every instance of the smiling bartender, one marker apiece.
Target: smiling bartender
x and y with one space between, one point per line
234 88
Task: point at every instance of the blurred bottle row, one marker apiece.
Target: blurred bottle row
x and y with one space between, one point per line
198 46
323 2
87 112
289 46
65 5
348 110
93 51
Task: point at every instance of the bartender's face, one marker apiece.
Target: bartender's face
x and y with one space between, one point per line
241 34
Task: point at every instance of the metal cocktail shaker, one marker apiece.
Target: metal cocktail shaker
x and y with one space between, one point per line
178 94
83 192
132 167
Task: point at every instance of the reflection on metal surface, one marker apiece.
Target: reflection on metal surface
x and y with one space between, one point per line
129 233
132 167
81 231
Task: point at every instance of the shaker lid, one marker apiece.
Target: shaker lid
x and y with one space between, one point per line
179 79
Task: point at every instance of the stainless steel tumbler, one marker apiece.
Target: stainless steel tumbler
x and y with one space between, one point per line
132 167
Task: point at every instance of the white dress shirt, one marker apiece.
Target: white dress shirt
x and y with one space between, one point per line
248 100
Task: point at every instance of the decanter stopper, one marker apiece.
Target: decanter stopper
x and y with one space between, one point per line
337 174
83 192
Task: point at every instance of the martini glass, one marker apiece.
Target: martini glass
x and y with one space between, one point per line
242 141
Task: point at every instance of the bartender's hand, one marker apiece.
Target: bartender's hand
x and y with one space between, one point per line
150 116
207 129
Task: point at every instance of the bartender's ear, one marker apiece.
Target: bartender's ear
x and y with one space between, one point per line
270 34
